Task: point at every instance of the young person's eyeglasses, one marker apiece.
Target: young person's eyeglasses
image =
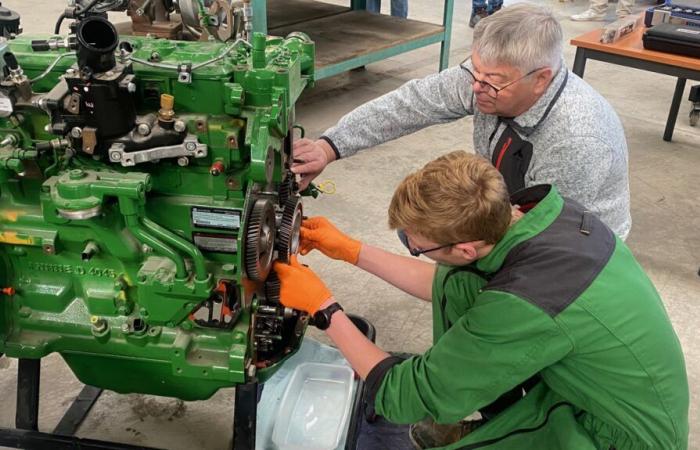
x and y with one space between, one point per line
417 251
491 90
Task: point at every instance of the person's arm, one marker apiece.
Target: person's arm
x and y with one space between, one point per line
499 343
301 289
435 99
411 275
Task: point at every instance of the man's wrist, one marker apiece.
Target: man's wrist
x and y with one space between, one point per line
328 150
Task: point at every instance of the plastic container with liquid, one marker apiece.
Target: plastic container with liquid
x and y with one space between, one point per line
315 408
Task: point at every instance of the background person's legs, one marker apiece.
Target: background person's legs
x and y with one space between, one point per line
596 11
374 6
399 8
479 11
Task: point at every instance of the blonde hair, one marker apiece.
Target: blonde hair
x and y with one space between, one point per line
458 197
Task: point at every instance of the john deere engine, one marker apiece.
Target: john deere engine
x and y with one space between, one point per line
144 193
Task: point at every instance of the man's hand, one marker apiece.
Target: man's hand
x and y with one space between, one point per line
310 158
319 233
301 288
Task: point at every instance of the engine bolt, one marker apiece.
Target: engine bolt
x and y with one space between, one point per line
125 328
143 129
179 126
183 161
115 156
190 146
131 88
76 132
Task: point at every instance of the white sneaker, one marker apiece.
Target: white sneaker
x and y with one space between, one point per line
588 15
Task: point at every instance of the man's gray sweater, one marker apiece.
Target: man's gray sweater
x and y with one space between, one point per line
578 141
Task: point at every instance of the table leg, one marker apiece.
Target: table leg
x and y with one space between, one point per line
675 105
580 62
445 45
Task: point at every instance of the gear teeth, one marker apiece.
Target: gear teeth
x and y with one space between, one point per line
273 287
290 225
258 260
287 189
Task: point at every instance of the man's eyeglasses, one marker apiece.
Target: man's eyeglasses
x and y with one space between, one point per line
417 251
491 90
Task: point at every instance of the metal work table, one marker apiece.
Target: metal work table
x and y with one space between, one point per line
630 52
350 37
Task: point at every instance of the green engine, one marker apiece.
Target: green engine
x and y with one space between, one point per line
145 191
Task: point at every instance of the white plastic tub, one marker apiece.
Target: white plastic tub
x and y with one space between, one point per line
315 408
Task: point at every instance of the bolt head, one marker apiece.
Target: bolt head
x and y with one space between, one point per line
76 132
179 126
131 88
125 328
191 146
183 161
143 129
115 156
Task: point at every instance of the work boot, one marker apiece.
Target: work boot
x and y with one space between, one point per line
428 434
588 16
477 15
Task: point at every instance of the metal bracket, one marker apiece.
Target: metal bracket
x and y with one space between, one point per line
190 147
184 73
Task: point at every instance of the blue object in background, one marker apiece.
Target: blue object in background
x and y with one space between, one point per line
399 8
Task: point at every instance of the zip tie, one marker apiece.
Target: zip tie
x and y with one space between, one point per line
326 187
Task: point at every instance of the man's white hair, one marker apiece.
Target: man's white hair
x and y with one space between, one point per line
524 36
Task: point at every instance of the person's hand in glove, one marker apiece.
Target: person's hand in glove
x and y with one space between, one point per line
319 233
300 287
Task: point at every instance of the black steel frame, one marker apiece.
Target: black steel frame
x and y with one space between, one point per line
683 74
26 434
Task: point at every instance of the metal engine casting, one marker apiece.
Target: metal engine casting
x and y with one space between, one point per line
145 191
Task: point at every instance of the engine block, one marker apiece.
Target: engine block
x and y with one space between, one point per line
145 191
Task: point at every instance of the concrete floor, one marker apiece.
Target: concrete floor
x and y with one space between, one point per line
665 210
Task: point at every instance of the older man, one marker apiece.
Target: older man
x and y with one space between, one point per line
533 119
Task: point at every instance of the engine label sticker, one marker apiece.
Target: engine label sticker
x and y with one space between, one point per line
221 243
225 219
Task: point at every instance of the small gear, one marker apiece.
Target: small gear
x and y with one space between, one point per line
289 229
259 240
272 288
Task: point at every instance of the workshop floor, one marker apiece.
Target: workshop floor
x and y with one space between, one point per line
665 210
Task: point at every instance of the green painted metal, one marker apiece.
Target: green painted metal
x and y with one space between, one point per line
447 38
102 258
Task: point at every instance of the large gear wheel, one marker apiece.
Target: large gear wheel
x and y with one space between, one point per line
289 229
260 240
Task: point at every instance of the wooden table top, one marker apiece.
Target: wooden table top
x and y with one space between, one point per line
631 46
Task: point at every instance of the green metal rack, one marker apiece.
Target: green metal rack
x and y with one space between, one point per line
350 37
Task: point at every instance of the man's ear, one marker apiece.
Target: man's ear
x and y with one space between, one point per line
542 79
468 250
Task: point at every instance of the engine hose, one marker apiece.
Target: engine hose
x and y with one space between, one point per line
170 238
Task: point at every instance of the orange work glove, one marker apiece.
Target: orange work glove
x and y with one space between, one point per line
319 233
300 287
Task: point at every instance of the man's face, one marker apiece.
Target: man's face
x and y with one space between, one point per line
516 98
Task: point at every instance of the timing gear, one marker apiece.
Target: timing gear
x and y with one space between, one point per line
272 288
288 187
259 240
289 229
